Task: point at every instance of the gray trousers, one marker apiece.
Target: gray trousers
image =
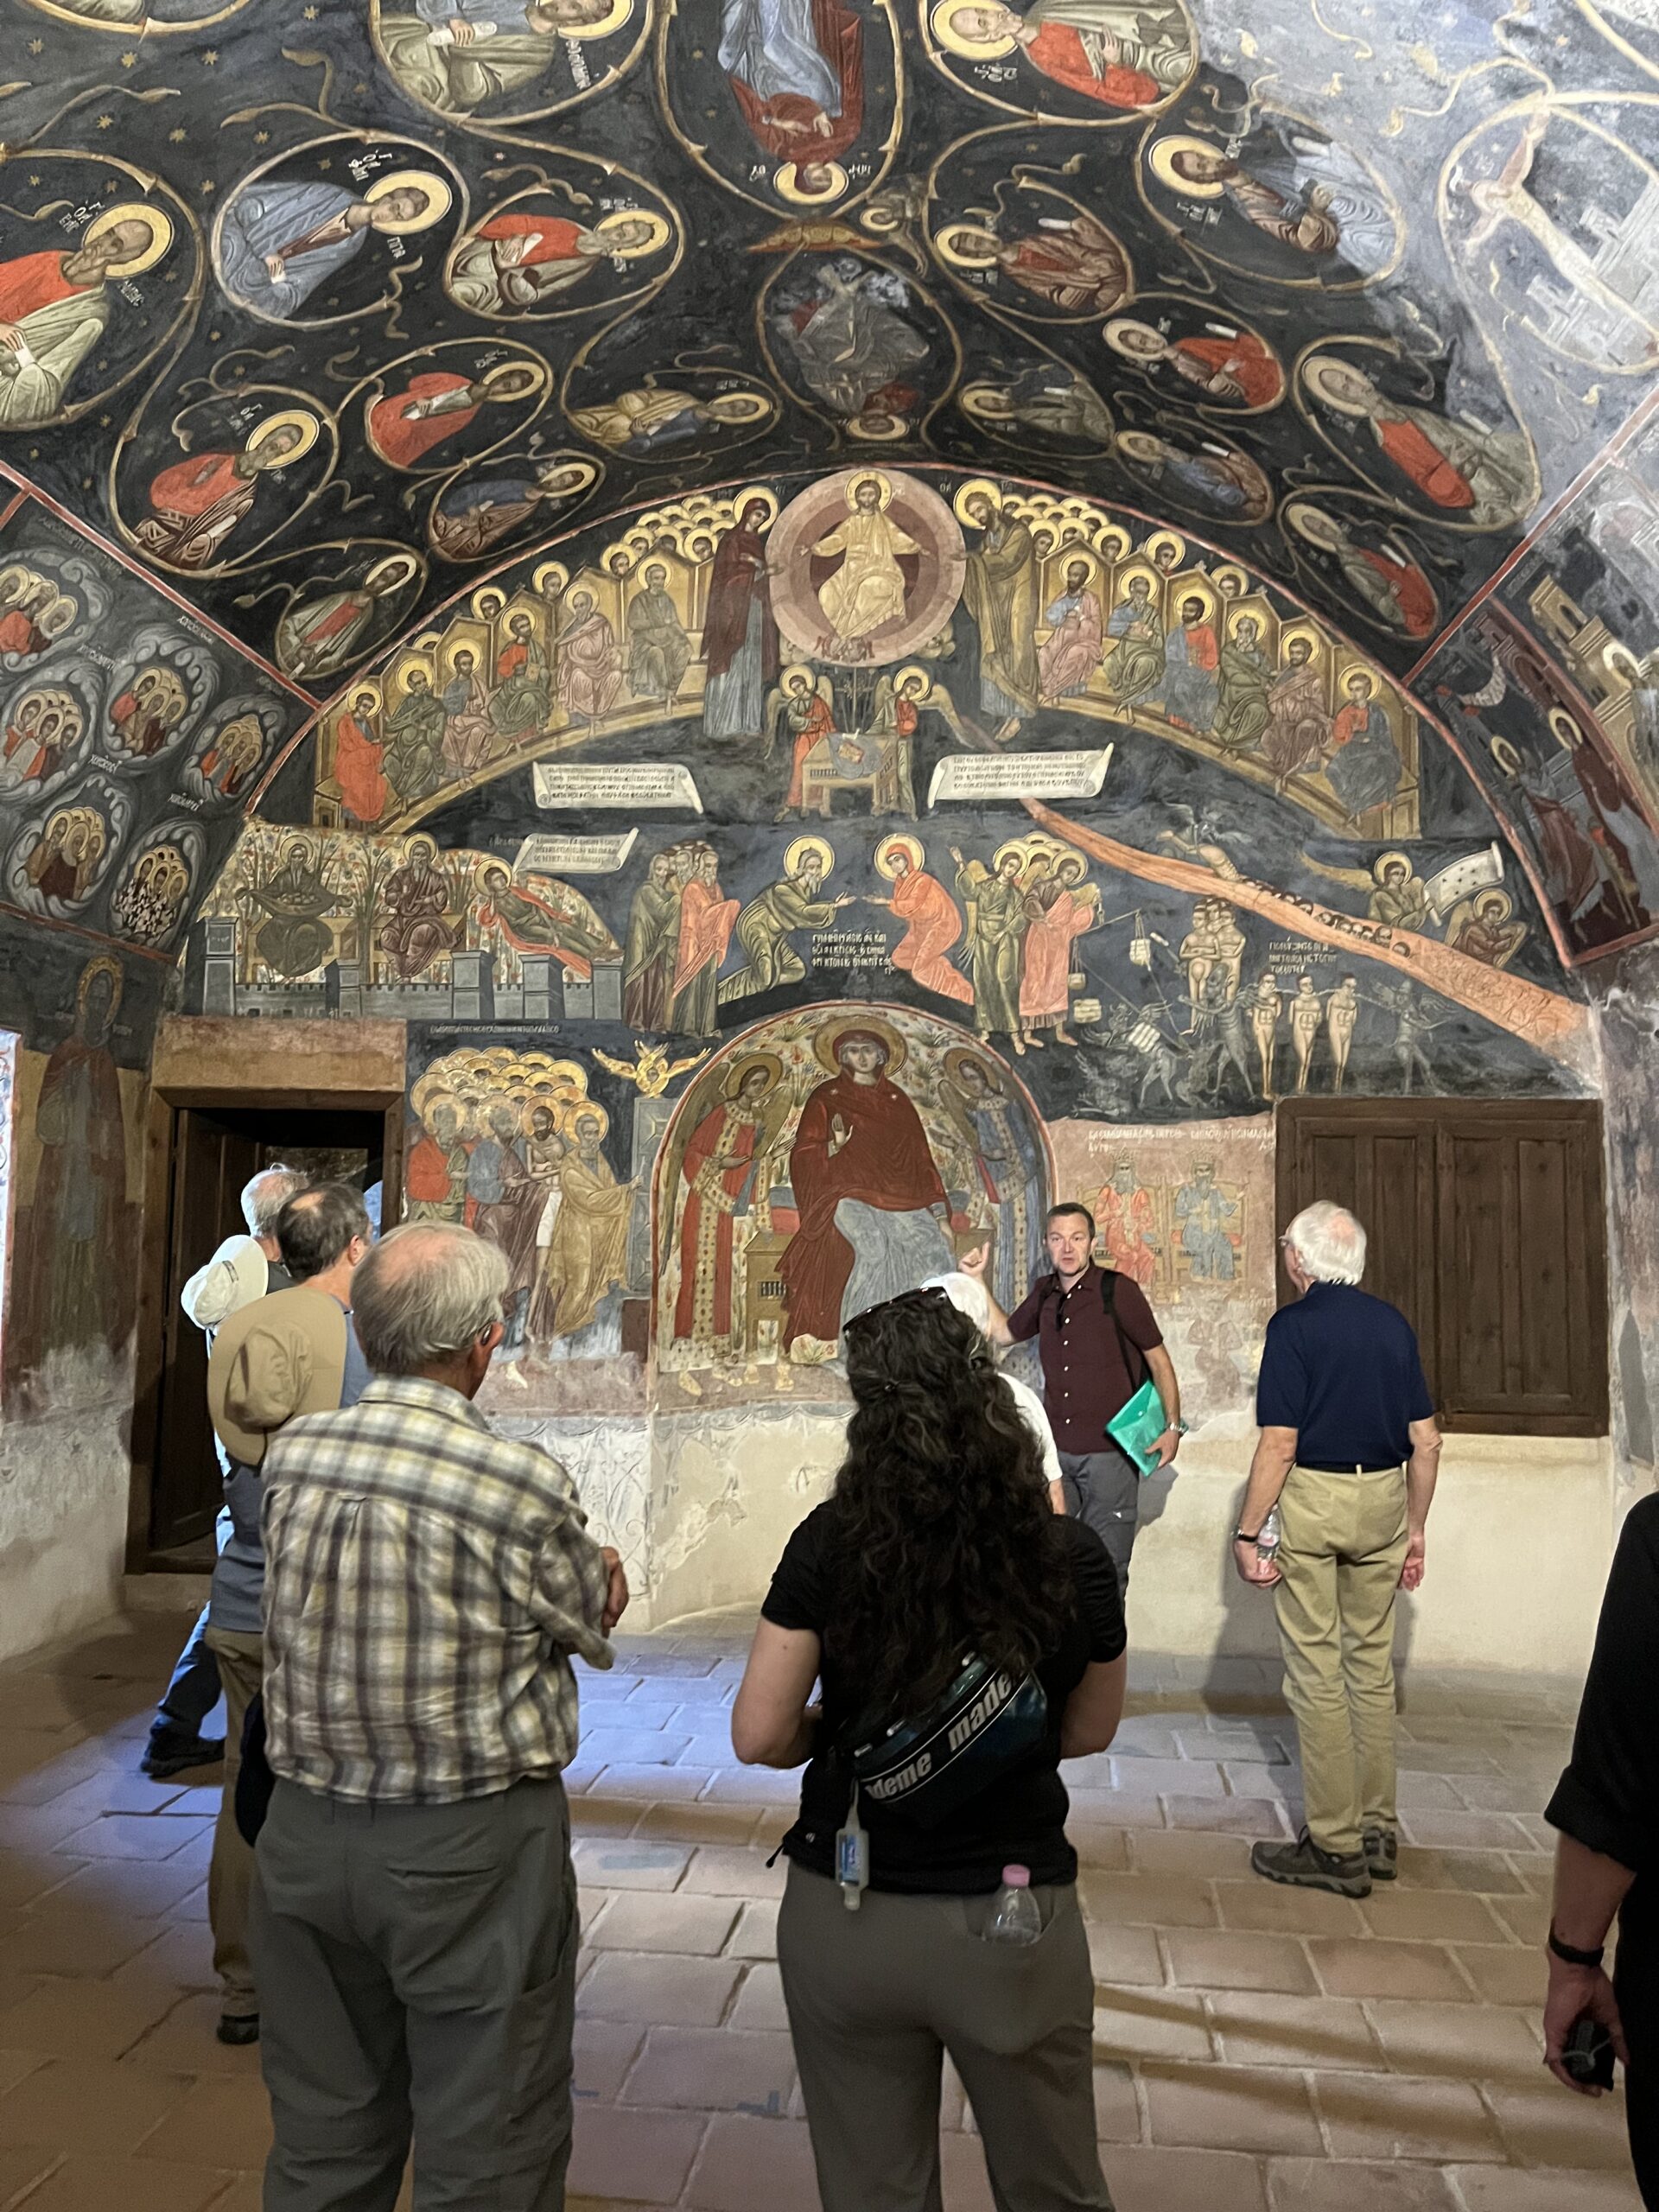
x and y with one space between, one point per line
416 1968
1102 1489
875 1998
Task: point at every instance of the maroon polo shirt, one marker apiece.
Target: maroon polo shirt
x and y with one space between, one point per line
1085 1379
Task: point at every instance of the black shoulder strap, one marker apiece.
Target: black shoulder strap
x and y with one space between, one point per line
1135 1364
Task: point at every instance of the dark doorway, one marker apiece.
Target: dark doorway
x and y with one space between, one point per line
215 1151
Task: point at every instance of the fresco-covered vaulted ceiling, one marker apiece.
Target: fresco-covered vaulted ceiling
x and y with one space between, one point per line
358 329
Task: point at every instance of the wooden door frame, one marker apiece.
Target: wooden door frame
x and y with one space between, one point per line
166 1103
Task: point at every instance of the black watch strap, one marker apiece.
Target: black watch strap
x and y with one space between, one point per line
1566 1953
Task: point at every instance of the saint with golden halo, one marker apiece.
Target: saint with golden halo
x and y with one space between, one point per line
278 241
868 588
58 306
196 503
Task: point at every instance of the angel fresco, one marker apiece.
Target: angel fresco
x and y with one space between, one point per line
1215 480
477 515
524 259
427 410
197 504
34 612
280 239
57 865
1288 204
60 303
1428 463
1368 569
145 715
505 60
1208 357
1084 61
225 760
316 636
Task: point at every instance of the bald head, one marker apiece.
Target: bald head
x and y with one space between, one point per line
264 1196
426 1301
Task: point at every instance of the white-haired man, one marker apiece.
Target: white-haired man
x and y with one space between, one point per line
414 1926
1348 1451
243 1269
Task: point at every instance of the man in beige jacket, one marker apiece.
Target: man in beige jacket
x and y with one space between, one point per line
292 1352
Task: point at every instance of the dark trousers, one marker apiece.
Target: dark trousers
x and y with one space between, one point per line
1636 1980
1102 1489
418 1969
192 1693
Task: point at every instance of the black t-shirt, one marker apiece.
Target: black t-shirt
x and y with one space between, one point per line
1020 1820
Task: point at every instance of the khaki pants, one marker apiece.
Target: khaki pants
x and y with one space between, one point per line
1343 1547
875 1998
230 1871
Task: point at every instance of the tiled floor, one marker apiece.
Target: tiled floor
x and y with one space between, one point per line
1257 2049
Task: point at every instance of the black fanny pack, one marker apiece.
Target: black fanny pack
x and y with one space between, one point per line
926 1766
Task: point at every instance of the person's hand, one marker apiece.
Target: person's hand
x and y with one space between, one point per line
975 1263
275 268
1167 1446
1260 1573
616 1595
1411 1573
1572 1991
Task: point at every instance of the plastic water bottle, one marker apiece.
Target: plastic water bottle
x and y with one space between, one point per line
1267 1536
1016 1919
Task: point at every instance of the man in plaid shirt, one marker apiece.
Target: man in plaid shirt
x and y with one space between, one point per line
415 1923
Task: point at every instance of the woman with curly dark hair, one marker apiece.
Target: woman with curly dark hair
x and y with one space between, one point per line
967 1640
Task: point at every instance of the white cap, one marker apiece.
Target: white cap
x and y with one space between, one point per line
233 1278
968 1294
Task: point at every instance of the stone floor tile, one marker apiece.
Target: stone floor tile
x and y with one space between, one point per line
1235 1742
631 2155
1503 2188
70 1937
27 1877
966 2185
1545 2124
1142 1777
1462 1830
181 1957
1483 2043
714 2069
1323 2186
1117 2110
1183 2181
1267 2029
1230 2109
1188 1850
16 2066
1365 1967
1405 1914
658 1988
126 1887
633 1746
225 2123
719 1870
1276 1906
1253 1818
629 1862
753 2166
1506 1974
1101 1849
1151 2023
20 2170
761 2000
1150 1900
1125 1955
604 2050
93 2184
652 1784
1109 1808
642 1920
1420 1792
1537 1869
1250 1778
746 1785
1527 1918
85 2019
1500 1793
755 1936
134 1835
185 2042
102 2109
1225 1959
592 1813
732 1825
1487 1872
1390 2116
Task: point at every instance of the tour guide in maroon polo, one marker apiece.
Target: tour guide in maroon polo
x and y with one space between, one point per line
1099 1342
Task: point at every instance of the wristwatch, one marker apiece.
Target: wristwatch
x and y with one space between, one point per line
1570 1957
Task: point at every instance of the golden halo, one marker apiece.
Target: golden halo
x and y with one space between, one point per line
1067 555
1159 160
879 428
787 188
898 843
1241 615
985 403
135 211
1484 897
797 851
883 484
405 669
453 651
536 371
1236 576
1505 755
551 578
488 868
438 197
488 613
1288 637
1019 848
1135 444
747 497
291 418
406 562
961 1057
660 231
579 1110
739 406
914 668
1345 675
429 844
824 1044
1565 729
368 688
955 41
1387 859
1611 655
612 19
797 668
1300 512
769 1061
976 487
954 254
1196 590
1315 374
1115 330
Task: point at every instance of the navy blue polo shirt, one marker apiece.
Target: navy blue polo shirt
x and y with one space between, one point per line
1342 1368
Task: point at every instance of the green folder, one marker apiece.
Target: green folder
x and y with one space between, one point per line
1136 1426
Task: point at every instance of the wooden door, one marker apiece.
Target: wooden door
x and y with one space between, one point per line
210 1163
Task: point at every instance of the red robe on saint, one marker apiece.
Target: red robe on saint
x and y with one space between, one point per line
402 438
357 770
706 1224
1417 456
1245 359
1409 590
840 39
32 281
552 237
932 924
1059 53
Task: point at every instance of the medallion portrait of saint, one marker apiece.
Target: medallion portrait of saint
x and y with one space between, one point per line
1200 357
198 504
1449 470
151 16
1289 204
864 341
1068 61
324 631
1370 571
530 260
478 515
1049 261
508 61
671 419
286 243
1206 477
427 412
60 301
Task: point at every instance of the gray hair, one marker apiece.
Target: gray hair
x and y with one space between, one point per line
425 1293
1329 1242
265 1195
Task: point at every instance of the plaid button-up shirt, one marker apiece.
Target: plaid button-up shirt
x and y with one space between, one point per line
425 1584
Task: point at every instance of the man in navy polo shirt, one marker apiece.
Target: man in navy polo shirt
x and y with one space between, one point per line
1348 1453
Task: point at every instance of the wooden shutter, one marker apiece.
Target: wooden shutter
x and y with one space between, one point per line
1487 1229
